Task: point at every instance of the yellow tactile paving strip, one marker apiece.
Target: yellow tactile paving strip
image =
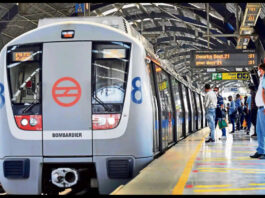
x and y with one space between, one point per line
194 167
224 167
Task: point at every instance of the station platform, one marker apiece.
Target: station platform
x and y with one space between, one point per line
195 167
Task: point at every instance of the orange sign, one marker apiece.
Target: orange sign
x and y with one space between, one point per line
22 56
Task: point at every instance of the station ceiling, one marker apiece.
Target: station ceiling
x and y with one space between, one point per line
173 28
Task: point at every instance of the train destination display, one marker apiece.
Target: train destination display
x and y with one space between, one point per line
223 58
231 76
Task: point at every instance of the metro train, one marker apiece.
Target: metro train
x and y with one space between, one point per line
86 104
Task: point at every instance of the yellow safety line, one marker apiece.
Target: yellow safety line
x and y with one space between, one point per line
247 169
179 188
257 184
228 189
210 186
116 190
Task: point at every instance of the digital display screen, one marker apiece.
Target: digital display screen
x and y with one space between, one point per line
114 53
22 56
223 58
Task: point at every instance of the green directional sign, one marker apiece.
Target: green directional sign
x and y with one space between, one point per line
216 76
230 76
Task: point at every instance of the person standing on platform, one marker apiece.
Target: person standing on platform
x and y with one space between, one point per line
210 106
219 110
232 112
253 108
239 112
248 115
260 102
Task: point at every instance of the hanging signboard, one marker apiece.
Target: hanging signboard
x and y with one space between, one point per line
231 76
223 58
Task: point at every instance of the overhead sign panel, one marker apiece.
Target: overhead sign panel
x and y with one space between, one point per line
223 58
230 76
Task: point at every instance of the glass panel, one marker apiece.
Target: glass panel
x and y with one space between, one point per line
110 62
24 65
166 106
187 115
178 106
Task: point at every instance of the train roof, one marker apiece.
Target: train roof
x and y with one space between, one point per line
122 24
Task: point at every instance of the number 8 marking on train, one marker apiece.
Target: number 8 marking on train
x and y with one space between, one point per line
2 98
137 90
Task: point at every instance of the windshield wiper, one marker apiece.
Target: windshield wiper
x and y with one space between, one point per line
29 107
106 108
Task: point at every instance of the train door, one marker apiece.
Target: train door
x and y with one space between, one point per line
199 110
202 111
195 110
205 120
186 108
166 113
190 106
67 99
179 112
155 110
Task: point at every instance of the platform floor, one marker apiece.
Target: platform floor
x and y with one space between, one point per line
195 167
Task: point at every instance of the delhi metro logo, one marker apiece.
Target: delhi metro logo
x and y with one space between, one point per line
66 92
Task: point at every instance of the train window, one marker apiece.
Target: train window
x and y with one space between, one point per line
24 76
110 62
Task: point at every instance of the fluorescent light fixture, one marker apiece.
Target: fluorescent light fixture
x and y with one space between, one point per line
129 6
109 11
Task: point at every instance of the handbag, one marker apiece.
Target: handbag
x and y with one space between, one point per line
222 124
244 123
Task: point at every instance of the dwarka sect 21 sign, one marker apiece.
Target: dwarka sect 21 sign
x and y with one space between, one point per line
223 58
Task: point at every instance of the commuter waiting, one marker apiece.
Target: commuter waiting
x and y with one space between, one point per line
232 113
260 102
219 110
252 110
210 106
239 109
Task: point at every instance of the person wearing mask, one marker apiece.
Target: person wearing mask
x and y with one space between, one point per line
219 110
239 111
210 106
260 102
232 113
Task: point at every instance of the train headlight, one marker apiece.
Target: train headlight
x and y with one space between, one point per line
33 122
105 121
111 121
29 122
24 122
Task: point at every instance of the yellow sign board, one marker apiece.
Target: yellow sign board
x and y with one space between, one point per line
235 76
231 76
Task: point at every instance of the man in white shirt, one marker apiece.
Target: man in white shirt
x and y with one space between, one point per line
260 102
210 107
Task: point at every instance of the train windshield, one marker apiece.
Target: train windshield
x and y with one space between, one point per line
110 62
24 76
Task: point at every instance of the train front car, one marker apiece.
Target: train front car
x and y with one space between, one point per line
75 109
